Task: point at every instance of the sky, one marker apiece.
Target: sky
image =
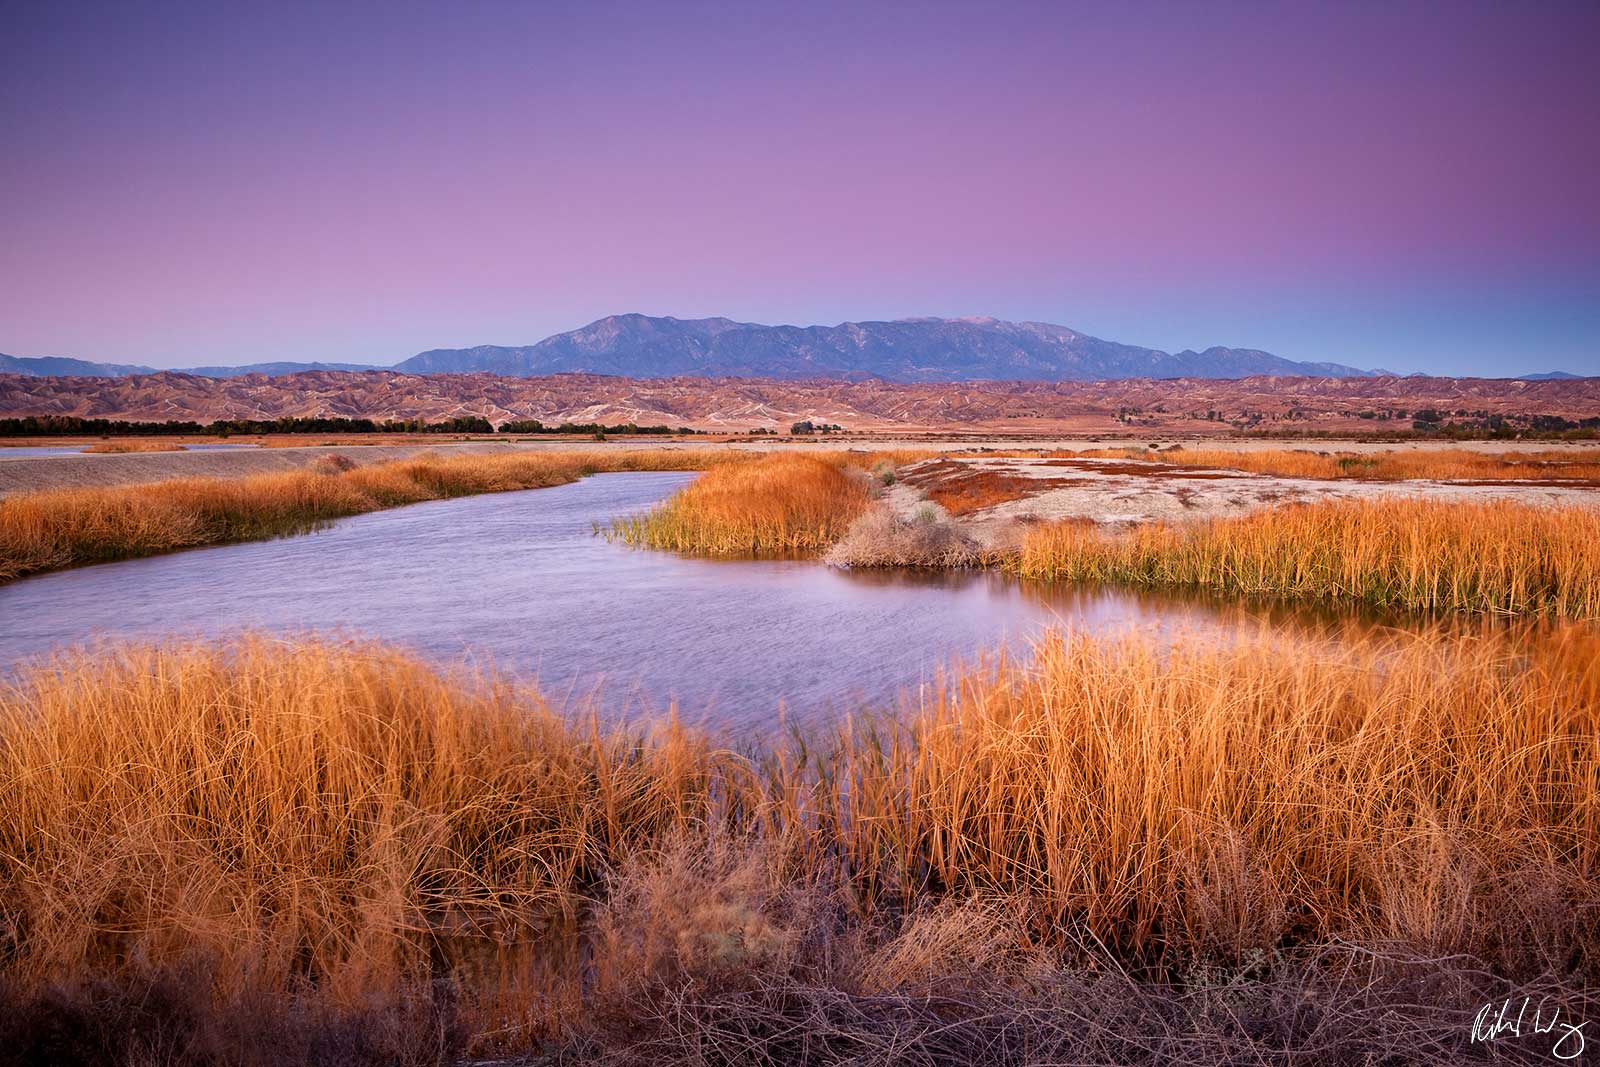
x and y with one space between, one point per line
1413 186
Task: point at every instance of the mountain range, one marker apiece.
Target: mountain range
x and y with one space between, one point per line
62 367
902 350
908 350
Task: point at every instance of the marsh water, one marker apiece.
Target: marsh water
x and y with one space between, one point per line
521 580
35 451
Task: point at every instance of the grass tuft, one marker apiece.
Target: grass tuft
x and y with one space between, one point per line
118 447
1497 558
779 505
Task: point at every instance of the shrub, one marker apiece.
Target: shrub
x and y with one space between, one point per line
882 539
333 463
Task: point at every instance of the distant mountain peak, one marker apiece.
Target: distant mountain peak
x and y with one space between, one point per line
969 348
60 366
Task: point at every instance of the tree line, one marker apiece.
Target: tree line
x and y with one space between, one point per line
75 426
534 426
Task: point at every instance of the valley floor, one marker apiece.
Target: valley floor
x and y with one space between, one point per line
23 470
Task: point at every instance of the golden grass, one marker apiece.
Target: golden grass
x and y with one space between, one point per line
781 504
877 459
1455 464
303 809
336 821
116 447
1498 558
53 529
1231 798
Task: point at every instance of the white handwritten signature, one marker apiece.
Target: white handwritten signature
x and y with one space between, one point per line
1508 1021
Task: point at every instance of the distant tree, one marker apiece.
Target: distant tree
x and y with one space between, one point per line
534 426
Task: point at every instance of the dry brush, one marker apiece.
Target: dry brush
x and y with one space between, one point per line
337 825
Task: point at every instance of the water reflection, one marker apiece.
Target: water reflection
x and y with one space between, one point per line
520 580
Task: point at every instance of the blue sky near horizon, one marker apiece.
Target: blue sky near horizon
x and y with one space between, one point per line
1406 185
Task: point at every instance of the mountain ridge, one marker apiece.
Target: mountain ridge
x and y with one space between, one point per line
64 367
974 348
977 348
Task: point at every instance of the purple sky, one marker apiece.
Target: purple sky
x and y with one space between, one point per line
1382 184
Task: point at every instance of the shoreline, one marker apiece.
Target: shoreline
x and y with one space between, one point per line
33 473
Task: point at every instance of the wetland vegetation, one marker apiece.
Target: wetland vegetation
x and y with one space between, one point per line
1112 850
420 861
1500 558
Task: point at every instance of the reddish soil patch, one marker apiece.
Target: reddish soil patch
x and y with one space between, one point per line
961 489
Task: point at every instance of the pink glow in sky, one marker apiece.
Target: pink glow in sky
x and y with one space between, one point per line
1411 186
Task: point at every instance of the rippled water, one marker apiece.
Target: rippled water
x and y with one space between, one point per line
520 579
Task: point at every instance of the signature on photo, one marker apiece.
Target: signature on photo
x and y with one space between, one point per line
1512 1020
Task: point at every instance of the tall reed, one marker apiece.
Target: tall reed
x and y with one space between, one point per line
778 505
1210 799
338 820
67 527
305 811
1497 558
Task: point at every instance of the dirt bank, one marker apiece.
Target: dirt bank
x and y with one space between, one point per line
1123 491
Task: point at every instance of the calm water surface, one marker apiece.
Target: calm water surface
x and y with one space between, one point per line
35 451
521 580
